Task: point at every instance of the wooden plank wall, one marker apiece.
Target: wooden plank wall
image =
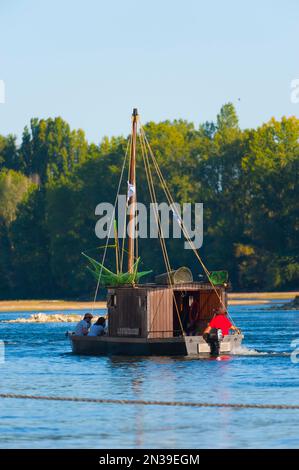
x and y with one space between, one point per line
129 313
160 313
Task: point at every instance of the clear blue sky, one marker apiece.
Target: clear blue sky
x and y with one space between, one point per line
91 61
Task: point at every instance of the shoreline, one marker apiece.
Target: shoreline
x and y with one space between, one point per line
47 305
244 298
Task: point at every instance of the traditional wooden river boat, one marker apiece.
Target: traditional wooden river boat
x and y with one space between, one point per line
155 318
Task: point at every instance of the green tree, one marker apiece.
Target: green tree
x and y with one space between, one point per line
227 118
13 187
9 154
271 166
51 149
31 255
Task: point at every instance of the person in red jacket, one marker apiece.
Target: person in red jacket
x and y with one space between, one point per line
221 322
212 334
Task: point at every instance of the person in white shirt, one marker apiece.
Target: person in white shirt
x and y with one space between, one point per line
83 326
98 328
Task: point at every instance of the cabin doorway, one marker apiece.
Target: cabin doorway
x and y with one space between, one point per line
182 304
193 310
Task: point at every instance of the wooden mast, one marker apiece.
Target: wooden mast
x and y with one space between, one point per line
132 193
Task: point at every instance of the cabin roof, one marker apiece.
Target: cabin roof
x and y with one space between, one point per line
183 286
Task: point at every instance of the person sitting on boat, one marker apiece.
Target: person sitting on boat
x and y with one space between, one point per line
98 328
221 322
83 326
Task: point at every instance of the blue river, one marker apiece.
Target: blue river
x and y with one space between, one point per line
38 361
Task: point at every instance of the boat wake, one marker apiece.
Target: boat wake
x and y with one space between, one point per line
244 351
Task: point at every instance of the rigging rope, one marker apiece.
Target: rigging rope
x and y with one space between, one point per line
160 231
173 205
111 223
125 225
144 146
110 401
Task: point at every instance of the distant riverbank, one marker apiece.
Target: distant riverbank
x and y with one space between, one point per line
255 298
47 305
243 298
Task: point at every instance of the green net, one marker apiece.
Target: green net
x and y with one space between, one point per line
108 278
218 277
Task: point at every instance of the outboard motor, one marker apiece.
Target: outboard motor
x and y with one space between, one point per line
214 339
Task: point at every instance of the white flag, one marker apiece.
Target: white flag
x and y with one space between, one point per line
131 190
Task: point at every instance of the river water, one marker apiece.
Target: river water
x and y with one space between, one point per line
38 361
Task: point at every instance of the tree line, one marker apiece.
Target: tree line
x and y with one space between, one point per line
247 180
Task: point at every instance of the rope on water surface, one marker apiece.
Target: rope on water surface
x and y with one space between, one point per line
151 402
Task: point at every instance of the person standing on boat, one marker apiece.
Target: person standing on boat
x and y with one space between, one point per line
221 322
194 313
83 326
98 328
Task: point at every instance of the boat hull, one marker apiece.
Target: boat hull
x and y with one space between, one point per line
176 346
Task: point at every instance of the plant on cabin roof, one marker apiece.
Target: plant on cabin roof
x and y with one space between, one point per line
108 278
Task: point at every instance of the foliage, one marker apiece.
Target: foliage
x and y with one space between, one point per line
13 188
247 179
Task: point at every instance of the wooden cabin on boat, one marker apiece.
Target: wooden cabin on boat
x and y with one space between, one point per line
161 311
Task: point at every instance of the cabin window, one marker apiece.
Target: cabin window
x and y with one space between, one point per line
113 300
